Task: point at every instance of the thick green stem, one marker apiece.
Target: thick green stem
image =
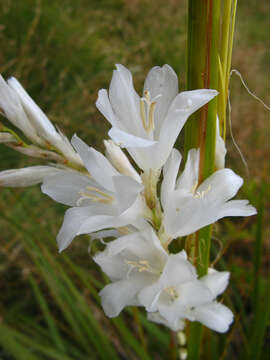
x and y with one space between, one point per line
200 131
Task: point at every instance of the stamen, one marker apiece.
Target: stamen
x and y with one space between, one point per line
201 194
142 112
94 194
171 291
151 124
147 109
141 265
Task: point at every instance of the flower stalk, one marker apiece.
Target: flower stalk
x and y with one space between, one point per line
200 131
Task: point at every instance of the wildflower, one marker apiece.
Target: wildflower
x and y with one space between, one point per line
101 199
177 297
148 126
189 206
132 262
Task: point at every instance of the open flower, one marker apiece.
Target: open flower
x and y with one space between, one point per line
148 126
132 262
101 200
188 206
144 274
179 296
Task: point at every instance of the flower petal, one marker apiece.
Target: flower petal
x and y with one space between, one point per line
176 325
115 296
237 208
65 187
220 149
185 104
96 163
162 83
104 106
76 217
170 172
125 101
215 316
126 190
216 281
189 177
125 139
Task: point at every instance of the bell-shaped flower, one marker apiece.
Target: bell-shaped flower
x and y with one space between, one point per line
132 262
179 295
149 126
103 199
188 206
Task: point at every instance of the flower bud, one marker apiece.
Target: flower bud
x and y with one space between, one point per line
120 160
26 176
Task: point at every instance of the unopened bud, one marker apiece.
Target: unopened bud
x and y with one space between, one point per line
26 176
36 152
120 160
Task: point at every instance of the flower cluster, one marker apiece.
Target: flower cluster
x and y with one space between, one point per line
139 208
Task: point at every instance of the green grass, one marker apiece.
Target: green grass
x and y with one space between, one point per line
63 52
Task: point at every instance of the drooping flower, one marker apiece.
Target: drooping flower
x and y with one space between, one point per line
149 126
188 206
101 199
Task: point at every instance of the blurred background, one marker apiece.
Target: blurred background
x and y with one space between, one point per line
62 52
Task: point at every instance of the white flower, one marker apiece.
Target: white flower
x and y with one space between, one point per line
189 207
39 121
132 262
179 295
27 176
13 110
149 126
106 199
144 274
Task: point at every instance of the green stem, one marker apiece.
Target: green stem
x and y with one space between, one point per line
200 131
